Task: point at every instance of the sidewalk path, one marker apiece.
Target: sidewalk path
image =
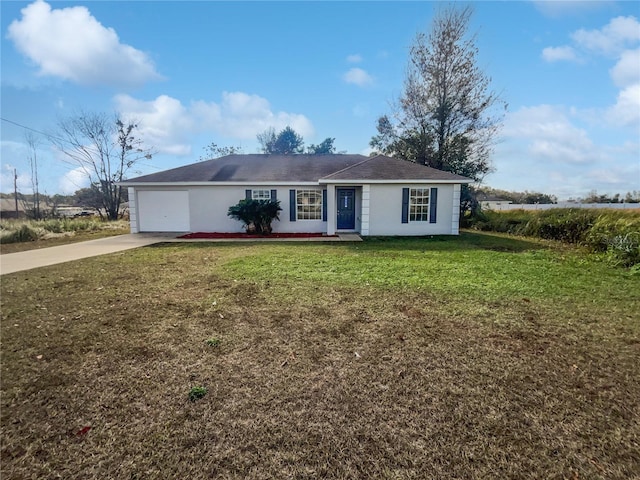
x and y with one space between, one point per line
42 257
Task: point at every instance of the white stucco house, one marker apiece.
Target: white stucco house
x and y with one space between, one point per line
318 194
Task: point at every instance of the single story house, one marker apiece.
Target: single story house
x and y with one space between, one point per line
318 194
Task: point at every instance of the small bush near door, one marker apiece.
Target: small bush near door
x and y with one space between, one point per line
257 215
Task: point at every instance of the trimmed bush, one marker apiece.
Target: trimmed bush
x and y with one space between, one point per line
256 215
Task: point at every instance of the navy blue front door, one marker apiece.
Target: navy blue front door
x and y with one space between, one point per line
346 208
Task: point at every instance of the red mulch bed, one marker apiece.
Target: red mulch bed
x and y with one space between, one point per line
249 235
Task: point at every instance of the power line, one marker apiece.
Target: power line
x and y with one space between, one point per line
32 129
54 137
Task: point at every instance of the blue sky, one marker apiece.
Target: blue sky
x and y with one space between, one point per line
192 73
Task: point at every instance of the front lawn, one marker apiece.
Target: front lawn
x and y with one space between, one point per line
472 357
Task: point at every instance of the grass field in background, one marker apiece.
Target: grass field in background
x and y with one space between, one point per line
479 356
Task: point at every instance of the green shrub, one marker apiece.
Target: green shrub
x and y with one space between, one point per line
613 232
512 221
624 250
61 225
23 234
256 215
562 224
197 393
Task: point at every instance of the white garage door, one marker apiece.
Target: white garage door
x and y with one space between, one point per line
163 211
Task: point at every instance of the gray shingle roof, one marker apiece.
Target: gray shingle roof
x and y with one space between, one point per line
388 168
296 168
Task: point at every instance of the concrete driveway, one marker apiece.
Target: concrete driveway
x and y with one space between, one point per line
16 262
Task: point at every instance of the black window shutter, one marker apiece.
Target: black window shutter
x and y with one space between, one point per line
324 205
405 205
292 205
433 205
274 194
247 194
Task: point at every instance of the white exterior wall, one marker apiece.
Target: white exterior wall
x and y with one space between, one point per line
378 209
133 210
208 207
455 211
331 209
385 211
365 209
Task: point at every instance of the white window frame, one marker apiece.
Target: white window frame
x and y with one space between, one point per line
261 194
309 211
419 199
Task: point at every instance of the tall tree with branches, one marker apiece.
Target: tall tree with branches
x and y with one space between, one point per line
32 145
287 142
447 116
105 149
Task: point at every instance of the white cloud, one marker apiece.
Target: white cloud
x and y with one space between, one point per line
73 180
611 39
358 76
243 116
626 111
543 149
354 58
550 136
554 54
627 71
617 39
163 123
71 44
167 125
7 174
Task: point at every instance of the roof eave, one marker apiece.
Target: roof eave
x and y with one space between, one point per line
211 184
394 181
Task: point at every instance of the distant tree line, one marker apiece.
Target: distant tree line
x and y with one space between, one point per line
594 197
529 198
40 206
526 197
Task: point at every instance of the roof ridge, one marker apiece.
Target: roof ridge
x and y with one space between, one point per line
366 159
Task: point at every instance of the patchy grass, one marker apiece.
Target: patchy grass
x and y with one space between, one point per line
23 235
471 357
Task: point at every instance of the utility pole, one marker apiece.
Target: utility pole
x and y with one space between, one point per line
15 189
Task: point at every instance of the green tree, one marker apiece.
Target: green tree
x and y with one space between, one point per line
446 116
105 149
325 147
287 142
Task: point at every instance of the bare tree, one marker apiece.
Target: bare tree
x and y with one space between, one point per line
214 151
267 140
447 116
32 145
105 149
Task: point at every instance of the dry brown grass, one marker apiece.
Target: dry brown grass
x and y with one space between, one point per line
310 379
91 230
